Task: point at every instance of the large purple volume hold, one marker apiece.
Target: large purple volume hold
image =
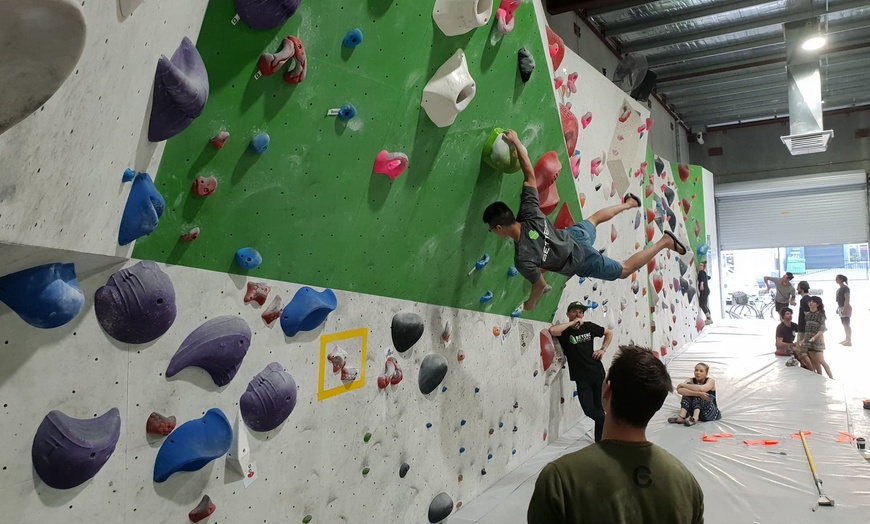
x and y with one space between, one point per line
269 399
180 92
266 14
137 304
218 346
68 451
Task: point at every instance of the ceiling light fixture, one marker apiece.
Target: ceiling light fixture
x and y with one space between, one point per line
813 43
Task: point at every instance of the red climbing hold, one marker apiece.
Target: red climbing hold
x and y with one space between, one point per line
392 373
547 170
650 232
270 63
273 312
650 216
564 218
219 139
257 292
686 205
338 357
205 508
683 171
297 74
658 281
159 425
556 47
626 113
548 349
191 235
570 128
203 186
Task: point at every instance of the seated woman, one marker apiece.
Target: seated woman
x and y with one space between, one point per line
699 398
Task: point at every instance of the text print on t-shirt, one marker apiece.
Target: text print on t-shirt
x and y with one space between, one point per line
585 337
534 236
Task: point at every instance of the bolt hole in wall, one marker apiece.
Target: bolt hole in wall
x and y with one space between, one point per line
744 270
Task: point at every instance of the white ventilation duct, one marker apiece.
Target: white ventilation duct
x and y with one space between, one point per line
804 91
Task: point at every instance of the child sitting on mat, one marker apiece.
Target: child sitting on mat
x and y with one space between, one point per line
699 398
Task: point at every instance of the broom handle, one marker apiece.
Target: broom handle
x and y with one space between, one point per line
809 457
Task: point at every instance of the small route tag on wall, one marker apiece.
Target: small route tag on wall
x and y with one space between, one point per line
235 20
251 474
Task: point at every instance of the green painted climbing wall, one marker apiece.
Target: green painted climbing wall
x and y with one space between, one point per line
311 204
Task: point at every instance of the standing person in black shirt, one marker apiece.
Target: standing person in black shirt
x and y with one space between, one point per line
704 290
800 350
577 339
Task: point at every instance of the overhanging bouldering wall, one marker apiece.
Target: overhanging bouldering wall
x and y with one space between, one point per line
675 204
310 204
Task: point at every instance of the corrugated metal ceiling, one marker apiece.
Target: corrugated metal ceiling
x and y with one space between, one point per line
722 62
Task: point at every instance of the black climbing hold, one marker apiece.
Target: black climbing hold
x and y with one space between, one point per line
432 372
407 328
403 469
526 64
440 507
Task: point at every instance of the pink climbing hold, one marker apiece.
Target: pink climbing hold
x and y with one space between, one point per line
641 128
586 119
649 123
158 425
297 74
205 508
219 139
548 349
575 166
338 357
392 373
613 232
390 164
204 187
257 292
572 82
570 128
190 236
505 15
270 63
596 166
273 312
558 82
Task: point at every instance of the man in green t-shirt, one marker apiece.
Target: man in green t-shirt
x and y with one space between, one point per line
624 479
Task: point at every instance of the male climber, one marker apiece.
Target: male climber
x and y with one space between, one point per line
537 244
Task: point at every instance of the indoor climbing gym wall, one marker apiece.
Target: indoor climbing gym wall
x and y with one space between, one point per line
675 204
606 132
215 383
347 148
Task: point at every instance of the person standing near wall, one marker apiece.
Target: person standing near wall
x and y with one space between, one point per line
577 339
844 307
814 337
570 251
624 478
785 292
704 290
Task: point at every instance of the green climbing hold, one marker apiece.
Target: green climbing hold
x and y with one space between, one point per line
498 154
366 471
307 519
367 437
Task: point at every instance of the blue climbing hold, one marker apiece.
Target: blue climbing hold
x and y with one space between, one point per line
592 304
580 280
260 143
353 38
193 445
480 264
428 425
489 457
574 394
462 450
45 296
307 310
513 452
248 258
128 175
486 297
476 390
703 249
143 210
501 425
443 389
346 112
462 422
512 272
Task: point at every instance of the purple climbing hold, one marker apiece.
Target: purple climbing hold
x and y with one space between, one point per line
269 399
266 14
193 445
180 92
143 210
307 310
67 451
432 372
406 330
218 346
440 508
137 304
45 296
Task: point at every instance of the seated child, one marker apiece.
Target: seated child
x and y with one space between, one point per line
699 398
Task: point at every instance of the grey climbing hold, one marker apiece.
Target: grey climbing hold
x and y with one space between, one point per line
403 469
440 508
406 330
218 346
68 451
432 372
526 64
683 267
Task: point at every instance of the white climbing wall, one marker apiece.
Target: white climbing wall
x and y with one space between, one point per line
313 463
69 155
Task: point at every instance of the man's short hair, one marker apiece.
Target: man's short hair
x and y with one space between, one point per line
785 310
789 276
498 214
639 384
